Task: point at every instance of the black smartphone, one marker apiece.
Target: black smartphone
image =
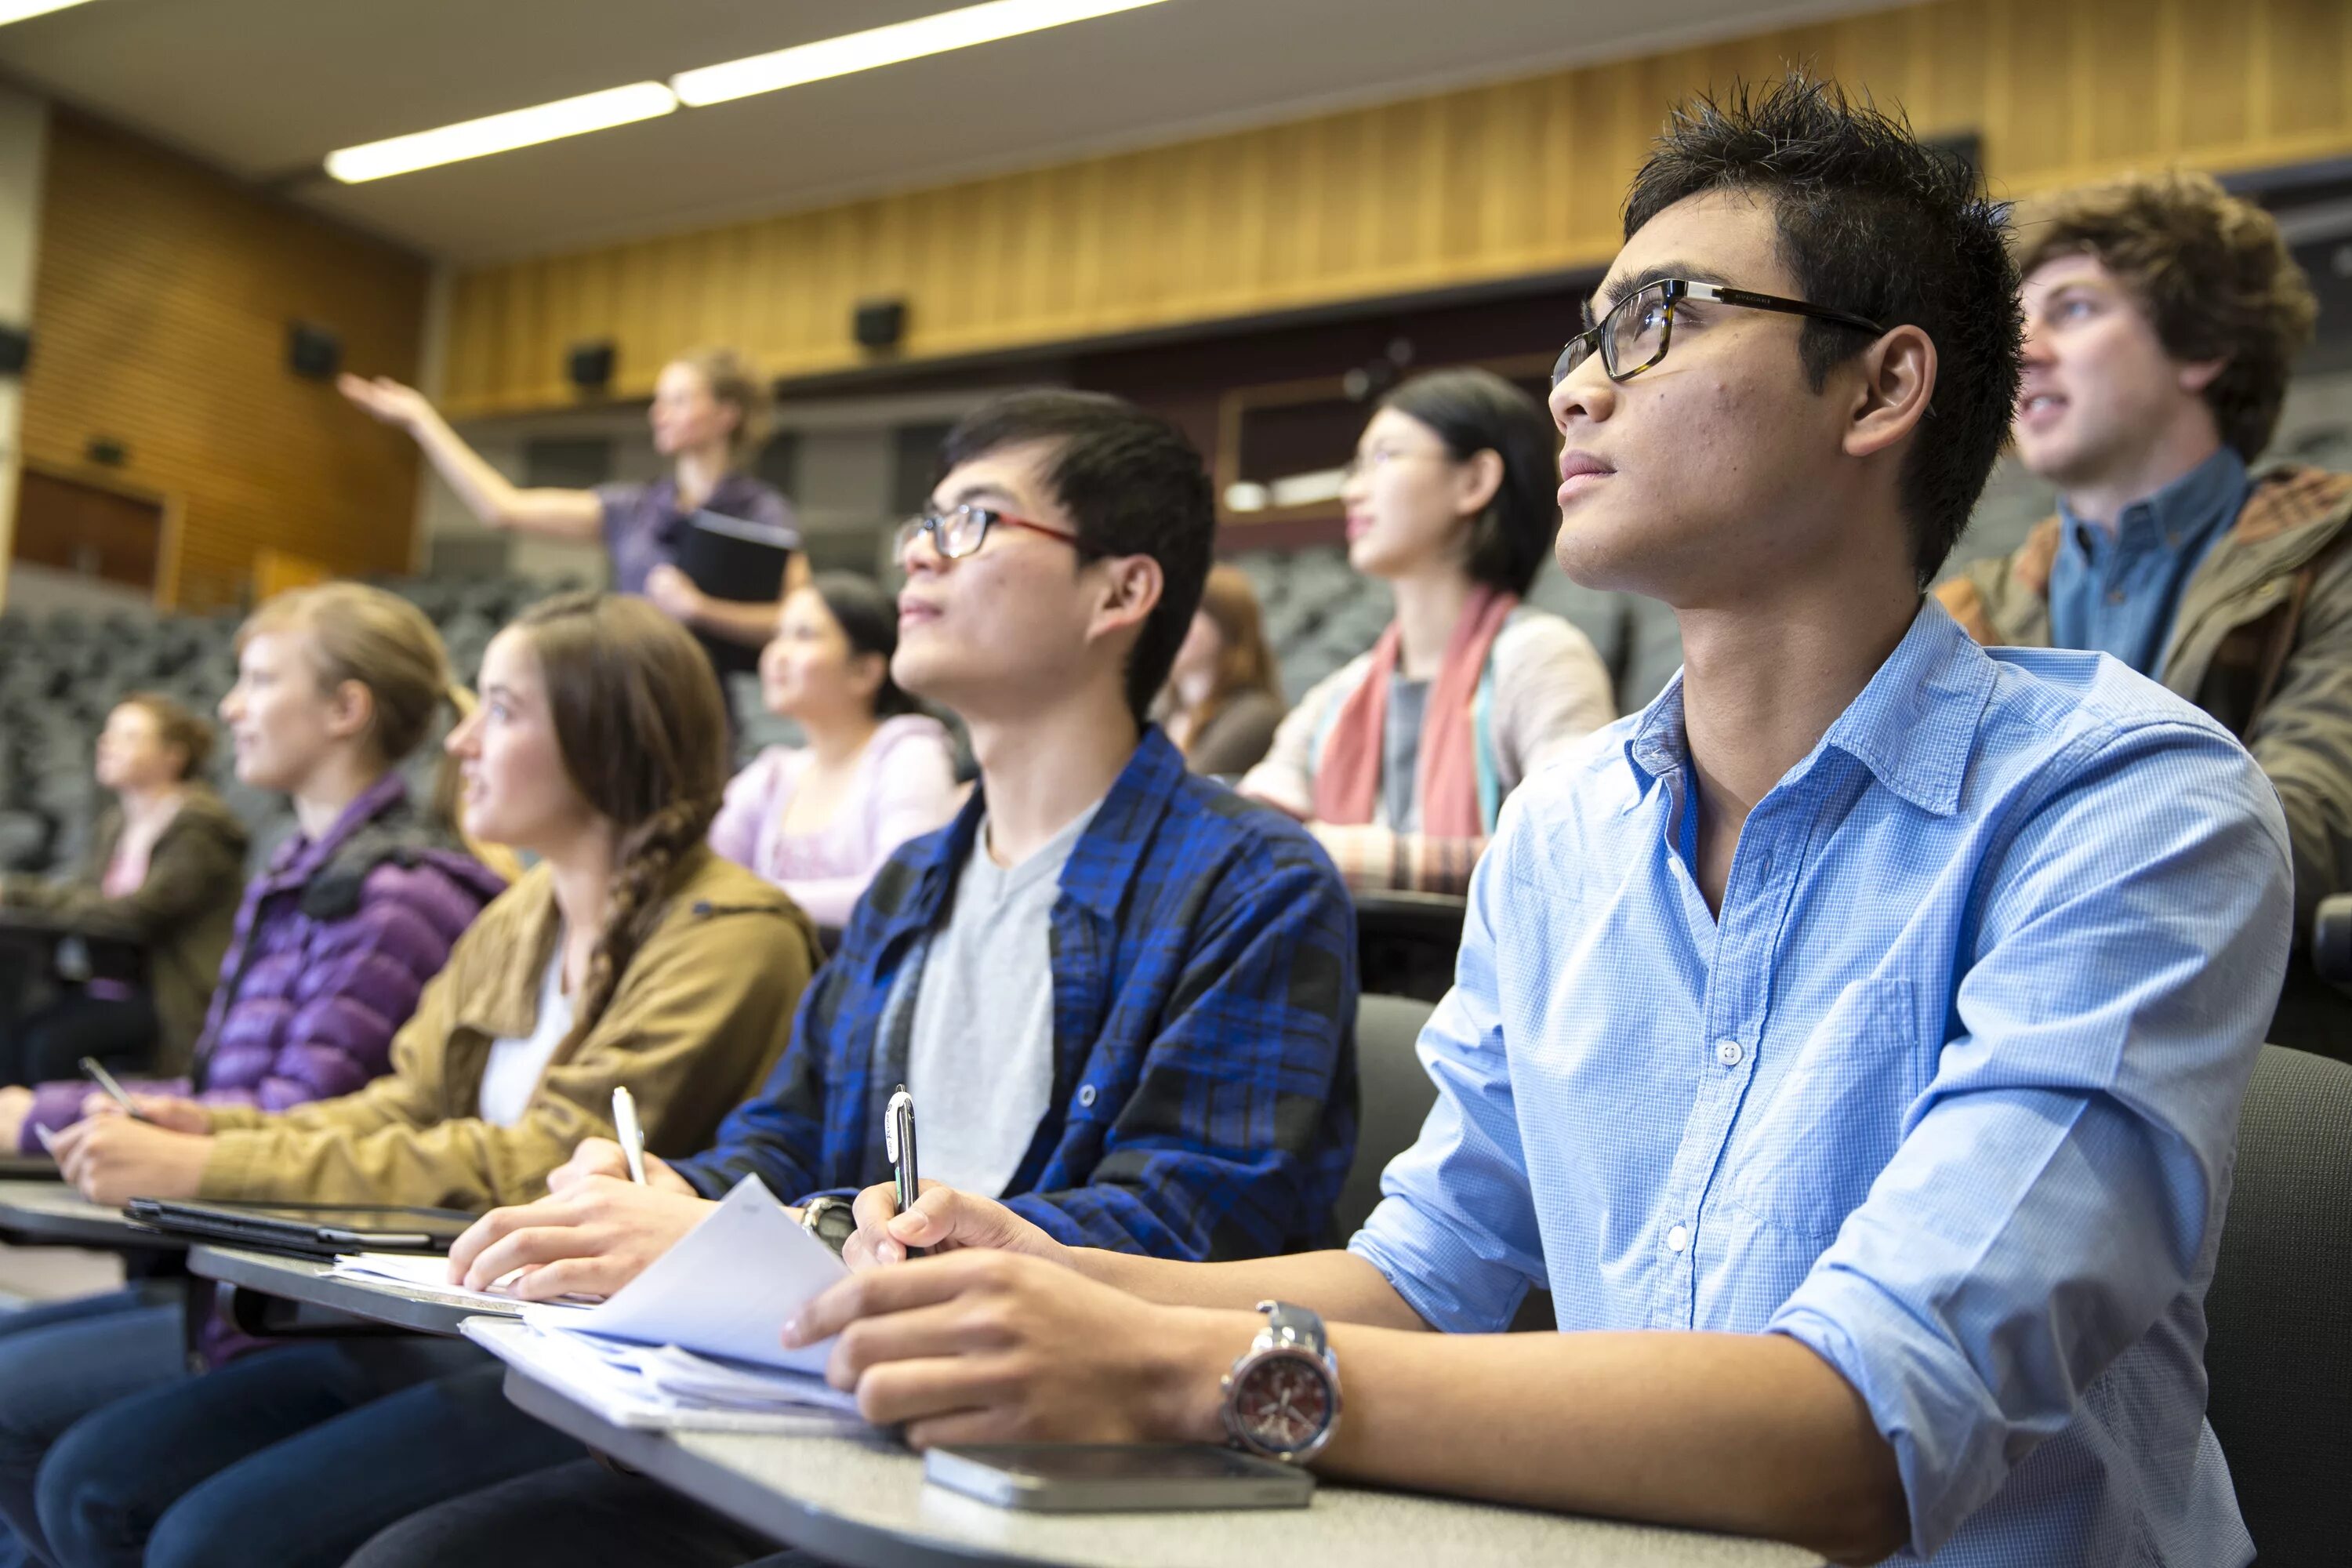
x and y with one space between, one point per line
1118 1478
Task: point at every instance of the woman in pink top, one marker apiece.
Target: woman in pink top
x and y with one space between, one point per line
819 819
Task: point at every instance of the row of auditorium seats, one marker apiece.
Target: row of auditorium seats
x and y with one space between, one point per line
62 671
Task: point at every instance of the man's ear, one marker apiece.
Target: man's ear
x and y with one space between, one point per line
1131 590
2196 375
1898 379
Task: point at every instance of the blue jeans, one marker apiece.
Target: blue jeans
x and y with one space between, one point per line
57 1364
292 1455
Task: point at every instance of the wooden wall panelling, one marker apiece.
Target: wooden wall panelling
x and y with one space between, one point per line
1515 179
161 309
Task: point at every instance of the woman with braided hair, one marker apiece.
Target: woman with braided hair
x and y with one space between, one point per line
630 954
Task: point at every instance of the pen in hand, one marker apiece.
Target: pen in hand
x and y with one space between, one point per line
97 1073
631 1136
899 1142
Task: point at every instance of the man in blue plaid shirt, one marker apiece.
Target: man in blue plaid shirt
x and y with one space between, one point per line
1123 997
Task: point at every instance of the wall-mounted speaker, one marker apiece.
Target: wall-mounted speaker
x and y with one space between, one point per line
313 353
588 367
880 324
15 350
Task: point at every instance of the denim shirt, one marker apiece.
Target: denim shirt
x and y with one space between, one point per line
1204 1011
1948 1092
2119 593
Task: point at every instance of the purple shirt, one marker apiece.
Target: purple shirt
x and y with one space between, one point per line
644 528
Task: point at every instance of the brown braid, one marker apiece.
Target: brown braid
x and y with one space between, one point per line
642 728
635 903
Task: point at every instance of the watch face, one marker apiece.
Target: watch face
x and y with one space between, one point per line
1283 1403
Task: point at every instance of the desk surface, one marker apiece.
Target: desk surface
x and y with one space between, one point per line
50 1214
312 1282
864 1503
30 1168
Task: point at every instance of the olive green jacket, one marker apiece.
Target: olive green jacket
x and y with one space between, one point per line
184 914
2263 641
701 1012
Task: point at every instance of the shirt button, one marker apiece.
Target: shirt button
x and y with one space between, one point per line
1086 1094
1678 1238
1728 1053
2116 597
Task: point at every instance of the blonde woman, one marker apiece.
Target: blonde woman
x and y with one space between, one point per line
705 417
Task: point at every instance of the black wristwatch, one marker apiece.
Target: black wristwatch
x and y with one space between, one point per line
830 1220
1282 1398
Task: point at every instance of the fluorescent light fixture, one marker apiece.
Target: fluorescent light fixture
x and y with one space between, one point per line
19 10
501 133
887 46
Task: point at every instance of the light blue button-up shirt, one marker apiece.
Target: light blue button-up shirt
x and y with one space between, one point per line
1948 1093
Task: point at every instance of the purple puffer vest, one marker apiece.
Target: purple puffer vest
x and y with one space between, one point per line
334 944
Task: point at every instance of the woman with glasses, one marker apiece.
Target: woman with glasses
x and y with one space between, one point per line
1400 762
705 414
818 819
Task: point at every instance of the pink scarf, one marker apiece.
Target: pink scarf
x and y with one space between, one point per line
1348 781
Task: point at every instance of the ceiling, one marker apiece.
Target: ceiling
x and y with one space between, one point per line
263 89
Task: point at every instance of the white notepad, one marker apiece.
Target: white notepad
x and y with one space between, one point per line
665 1389
726 1289
428 1274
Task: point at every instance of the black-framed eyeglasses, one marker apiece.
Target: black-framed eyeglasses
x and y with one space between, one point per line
1635 332
957 533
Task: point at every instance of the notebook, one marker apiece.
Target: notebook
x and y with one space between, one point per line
730 558
694 1342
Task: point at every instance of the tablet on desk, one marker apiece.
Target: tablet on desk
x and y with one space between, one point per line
322 1229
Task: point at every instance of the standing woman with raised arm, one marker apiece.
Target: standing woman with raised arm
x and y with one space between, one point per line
705 417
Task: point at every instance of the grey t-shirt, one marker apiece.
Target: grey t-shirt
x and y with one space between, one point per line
980 1053
1401 755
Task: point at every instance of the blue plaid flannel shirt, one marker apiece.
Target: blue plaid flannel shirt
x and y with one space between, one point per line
1204 1007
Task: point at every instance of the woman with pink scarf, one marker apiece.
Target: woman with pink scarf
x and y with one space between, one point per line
1401 761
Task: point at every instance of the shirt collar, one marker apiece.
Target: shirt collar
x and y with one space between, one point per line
1913 725
2181 515
1103 861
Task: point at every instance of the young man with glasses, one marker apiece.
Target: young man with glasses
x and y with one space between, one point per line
1122 997
2162 319
1851 1041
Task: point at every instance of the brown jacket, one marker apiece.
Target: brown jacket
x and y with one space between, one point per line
183 913
2263 642
700 1014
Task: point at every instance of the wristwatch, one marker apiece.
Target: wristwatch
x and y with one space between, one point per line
830 1220
1282 1398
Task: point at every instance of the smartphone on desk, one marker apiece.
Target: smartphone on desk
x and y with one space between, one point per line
1117 1477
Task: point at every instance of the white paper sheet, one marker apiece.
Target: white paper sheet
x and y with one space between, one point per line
725 1289
428 1274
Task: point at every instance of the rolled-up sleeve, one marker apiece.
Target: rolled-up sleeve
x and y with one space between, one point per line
2060 1185
1455 1231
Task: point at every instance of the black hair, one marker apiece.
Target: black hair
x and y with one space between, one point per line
1476 411
1873 222
869 619
1131 483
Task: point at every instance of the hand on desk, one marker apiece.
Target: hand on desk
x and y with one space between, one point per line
981 1346
588 1239
602 1157
114 1158
943 1219
16 1104
169 1111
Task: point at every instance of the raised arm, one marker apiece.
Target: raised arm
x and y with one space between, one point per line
488 494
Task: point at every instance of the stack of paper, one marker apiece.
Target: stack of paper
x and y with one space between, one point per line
696 1340
426 1276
